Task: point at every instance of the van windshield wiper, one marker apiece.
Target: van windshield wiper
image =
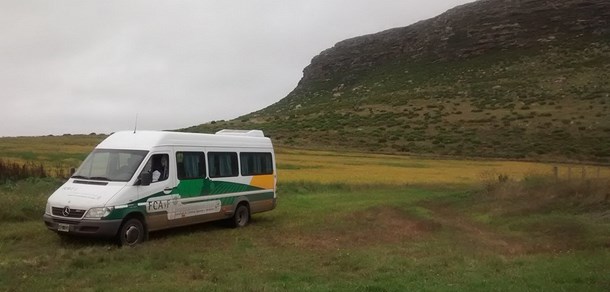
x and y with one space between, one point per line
99 178
79 176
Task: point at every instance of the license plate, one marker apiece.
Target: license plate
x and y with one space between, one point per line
63 227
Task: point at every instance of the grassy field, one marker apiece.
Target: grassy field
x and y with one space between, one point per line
60 153
363 169
57 153
345 222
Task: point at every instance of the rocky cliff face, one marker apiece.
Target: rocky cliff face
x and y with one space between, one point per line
468 30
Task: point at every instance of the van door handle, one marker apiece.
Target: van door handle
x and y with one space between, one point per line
167 190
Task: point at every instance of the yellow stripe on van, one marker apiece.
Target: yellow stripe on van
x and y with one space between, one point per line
262 181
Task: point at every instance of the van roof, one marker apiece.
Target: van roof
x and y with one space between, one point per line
146 140
250 133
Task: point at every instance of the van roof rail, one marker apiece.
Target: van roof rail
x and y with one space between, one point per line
249 133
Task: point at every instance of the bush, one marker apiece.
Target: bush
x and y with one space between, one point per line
16 171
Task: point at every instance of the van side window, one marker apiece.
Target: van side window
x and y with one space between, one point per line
158 166
222 164
256 163
191 165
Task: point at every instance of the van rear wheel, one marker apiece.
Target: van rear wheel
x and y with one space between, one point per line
131 233
241 216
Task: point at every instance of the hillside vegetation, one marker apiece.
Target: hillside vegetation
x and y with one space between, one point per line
496 78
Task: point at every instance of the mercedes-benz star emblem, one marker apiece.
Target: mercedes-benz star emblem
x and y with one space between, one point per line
66 211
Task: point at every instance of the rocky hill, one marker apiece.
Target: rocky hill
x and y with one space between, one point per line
492 78
469 30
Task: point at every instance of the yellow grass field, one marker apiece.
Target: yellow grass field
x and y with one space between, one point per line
358 168
48 150
317 166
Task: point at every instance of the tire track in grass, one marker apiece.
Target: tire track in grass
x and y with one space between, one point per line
477 233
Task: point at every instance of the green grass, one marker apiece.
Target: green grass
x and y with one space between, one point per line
24 200
322 237
420 232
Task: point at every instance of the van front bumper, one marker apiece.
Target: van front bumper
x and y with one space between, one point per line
84 227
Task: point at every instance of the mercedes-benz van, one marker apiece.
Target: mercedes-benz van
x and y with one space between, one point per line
133 183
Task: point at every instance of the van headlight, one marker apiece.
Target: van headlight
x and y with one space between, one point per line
47 209
99 212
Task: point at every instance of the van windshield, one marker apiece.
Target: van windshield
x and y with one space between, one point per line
110 164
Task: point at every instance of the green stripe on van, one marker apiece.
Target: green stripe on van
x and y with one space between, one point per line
198 187
121 213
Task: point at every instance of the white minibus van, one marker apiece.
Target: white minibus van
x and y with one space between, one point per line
133 183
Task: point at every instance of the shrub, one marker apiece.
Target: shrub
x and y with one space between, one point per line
16 171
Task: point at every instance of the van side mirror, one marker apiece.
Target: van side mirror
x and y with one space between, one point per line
72 171
145 178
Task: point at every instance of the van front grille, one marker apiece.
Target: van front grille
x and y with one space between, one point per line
73 213
64 221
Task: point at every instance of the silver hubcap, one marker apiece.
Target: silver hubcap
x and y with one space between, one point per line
242 217
132 234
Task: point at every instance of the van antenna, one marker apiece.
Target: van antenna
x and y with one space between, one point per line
136 125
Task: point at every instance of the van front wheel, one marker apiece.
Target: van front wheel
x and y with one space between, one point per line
241 216
132 232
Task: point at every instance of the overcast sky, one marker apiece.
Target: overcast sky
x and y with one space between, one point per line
91 66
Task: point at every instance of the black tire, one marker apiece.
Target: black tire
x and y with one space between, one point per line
132 232
241 217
